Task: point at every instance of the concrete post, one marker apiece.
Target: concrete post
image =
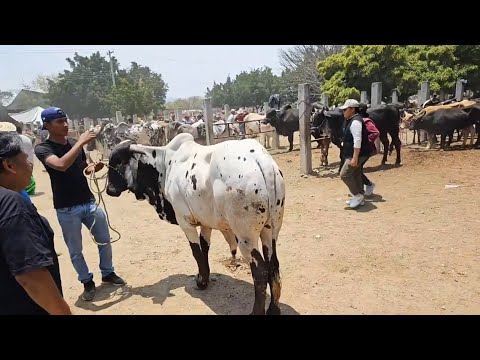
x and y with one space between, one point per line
363 97
394 97
376 98
304 110
118 117
178 114
424 94
459 89
208 117
324 100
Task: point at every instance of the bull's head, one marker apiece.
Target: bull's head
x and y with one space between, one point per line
416 123
271 117
122 174
141 170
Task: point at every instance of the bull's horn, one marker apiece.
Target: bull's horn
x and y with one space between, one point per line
420 113
137 149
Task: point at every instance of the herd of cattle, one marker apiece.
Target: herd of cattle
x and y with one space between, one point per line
236 187
326 127
160 133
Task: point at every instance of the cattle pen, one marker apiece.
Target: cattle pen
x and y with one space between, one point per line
411 249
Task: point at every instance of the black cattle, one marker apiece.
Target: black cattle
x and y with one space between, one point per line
329 123
285 122
387 121
385 117
443 122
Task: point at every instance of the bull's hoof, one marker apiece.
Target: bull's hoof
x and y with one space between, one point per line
201 283
273 310
290 150
398 164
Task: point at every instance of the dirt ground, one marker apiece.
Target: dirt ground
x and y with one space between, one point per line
413 248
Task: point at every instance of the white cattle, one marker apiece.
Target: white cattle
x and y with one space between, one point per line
235 187
254 127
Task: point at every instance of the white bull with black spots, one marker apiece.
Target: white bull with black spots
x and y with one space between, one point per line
235 187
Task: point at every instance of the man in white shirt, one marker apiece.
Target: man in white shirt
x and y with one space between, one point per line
356 150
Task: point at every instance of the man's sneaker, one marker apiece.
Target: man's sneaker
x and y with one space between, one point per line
113 279
369 189
89 291
356 201
349 201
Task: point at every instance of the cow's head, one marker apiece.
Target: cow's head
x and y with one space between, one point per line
123 171
141 170
271 117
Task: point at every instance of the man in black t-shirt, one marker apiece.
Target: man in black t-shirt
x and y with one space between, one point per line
30 281
73 201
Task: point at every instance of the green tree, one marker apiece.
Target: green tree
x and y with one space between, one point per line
247 89
151 89
6 97
84 90
398 67
190 103
299 66
138 91
87 88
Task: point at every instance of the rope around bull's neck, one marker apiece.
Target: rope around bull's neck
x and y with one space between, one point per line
93 180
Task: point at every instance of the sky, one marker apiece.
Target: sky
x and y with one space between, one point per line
187 69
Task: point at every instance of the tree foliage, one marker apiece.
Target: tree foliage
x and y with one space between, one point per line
138 91
299 65
41 83
190 103
5 97
86 89
247 89
398 67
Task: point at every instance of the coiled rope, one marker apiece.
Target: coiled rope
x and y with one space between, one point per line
95 188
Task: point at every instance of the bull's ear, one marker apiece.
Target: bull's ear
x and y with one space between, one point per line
134 148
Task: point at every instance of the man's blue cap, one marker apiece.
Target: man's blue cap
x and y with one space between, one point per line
52 113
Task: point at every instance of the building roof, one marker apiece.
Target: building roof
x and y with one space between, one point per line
27 99
4 117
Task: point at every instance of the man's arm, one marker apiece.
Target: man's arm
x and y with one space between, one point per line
27 258
46 156
64 163
356 130
40 286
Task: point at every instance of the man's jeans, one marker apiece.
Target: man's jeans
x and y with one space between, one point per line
71 220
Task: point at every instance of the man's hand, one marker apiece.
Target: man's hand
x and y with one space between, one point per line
86 137
99 166
354 162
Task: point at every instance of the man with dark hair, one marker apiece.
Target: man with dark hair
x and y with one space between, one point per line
74 203
30 280
356 150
